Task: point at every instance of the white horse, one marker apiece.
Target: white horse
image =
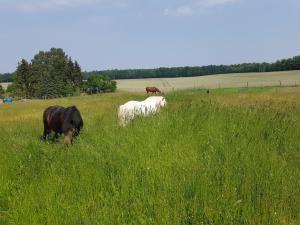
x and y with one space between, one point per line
147 107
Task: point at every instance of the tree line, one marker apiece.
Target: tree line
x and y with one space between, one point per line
188 71
6 77
53 74
280 65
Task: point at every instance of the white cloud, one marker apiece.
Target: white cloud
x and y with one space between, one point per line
194 6
184 10
166 12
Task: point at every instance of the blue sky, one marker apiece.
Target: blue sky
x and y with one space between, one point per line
108 34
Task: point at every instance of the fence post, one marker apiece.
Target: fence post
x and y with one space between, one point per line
247 84
280 83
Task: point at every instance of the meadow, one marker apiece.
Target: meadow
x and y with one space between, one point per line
230 157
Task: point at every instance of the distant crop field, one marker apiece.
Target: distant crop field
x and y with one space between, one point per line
290 78
228 157
4 85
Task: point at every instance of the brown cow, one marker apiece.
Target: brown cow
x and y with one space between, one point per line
152 90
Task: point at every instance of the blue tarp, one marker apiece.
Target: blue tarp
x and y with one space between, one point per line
7 100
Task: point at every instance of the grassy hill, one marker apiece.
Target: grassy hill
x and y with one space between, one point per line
231 157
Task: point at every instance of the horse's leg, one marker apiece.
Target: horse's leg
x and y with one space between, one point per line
46 132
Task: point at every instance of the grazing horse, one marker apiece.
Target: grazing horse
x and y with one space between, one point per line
147 107
152 90
62 120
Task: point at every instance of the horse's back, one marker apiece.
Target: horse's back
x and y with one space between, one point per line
51 111
152 89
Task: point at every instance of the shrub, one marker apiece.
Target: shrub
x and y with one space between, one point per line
98 84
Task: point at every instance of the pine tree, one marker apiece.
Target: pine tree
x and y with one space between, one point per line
77 75
23 79
2 91
55 73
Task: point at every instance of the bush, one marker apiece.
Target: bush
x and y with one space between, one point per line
13 90
98 84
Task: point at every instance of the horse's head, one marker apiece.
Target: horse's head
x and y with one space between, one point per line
163 102
70 136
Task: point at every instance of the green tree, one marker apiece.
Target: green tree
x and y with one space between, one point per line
13 90
23 79
77 75
280 65
51 74
69 90
102 83
2 91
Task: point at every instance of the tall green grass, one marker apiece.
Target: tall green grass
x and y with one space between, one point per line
196 162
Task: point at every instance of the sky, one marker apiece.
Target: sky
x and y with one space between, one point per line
123 34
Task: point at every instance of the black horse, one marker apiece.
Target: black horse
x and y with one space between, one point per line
62 120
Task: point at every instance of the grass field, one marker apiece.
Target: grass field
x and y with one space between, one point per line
231 157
